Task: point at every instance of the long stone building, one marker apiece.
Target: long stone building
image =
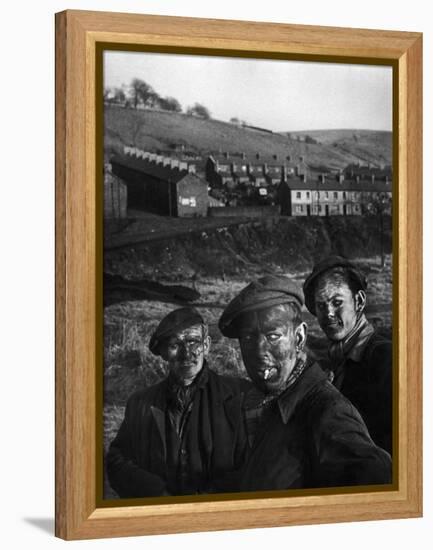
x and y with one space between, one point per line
161 185
334 196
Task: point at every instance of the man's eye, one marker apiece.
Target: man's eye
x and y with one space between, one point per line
337 303
273 337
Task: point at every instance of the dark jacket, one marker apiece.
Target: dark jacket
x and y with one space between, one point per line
367 383
312 436
140 459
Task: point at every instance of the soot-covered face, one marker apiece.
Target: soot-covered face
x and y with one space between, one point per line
337 306
269 340
185 352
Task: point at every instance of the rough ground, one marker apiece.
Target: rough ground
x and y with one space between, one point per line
218 265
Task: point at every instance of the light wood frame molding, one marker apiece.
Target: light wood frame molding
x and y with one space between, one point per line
78 256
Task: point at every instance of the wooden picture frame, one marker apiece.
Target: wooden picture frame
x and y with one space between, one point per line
79 35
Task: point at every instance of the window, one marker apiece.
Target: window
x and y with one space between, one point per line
344 194
308 194
317 194
326 195
298 194
335 194
298 208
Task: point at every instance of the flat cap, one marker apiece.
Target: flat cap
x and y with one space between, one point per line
174 322
268 291
324 265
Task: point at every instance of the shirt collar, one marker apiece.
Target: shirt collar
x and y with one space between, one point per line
361 343
290 399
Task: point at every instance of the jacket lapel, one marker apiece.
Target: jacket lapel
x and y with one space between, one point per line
159 419
158 415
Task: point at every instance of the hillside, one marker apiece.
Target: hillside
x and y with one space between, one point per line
151 130
362 143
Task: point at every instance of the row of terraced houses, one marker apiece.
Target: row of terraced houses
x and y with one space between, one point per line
181 183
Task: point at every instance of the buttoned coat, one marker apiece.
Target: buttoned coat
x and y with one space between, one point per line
312 436
213 444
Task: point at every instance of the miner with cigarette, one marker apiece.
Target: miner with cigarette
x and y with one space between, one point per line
302 431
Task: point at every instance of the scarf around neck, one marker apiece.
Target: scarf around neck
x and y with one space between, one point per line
352 345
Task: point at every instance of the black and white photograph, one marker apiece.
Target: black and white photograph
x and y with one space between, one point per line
247 275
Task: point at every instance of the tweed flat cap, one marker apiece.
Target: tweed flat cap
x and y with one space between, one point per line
268 291
175 321
324 265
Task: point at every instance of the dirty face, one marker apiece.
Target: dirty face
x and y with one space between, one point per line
269 340
185 353
337 307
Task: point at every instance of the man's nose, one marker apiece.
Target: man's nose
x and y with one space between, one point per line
261 344
330 311
185 351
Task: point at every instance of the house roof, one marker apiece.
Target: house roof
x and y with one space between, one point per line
165 173
331 184
237 158
365 171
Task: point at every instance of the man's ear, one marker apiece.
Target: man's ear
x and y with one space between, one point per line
206 345
360 301
301 336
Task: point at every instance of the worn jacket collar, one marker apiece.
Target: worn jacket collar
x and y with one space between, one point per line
289 400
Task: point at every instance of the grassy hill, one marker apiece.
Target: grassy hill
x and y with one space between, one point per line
371 145
151 130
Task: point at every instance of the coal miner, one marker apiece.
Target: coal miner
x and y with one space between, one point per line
360 358
302 431
184 435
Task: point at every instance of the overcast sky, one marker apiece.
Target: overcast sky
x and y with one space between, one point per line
278 95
